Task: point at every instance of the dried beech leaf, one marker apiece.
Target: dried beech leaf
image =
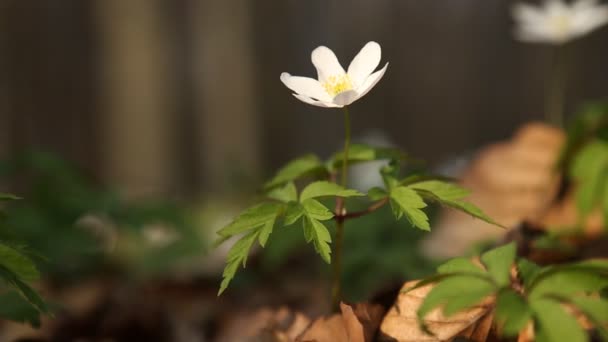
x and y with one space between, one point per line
401 323
357 324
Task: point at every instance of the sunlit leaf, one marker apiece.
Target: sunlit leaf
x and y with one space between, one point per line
316 232
512 312
323 189
303 166
554 324
406 202
498 261
285 194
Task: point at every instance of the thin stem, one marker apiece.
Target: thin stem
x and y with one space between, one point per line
336 290
369 210
556 89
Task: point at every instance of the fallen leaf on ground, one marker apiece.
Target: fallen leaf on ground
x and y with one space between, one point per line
358 324
401 323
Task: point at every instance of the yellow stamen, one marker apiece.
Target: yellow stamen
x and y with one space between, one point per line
561 24
334 85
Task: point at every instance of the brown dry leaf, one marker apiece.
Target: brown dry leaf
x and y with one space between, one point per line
352 325
401 322
266 325
511 181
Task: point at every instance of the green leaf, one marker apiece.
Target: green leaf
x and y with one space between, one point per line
596 310
237 255
363 153
451 195
17 309
316 232
527 271
567 283
463 265
316 210
457 293
590 169
554 324
405 201
23 289
498 261
376 194
293 213
303 166
512 312
323 189
8 197
265 232
252 218
18 263
285 194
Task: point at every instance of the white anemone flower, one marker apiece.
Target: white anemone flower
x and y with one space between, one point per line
336 88
557 22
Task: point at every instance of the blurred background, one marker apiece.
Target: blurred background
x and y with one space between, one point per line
182 97
147 114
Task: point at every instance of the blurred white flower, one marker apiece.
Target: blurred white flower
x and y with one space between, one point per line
335 87
557 22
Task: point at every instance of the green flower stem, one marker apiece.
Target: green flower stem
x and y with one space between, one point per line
556 88
336 289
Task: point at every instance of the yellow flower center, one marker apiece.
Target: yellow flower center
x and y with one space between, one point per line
334 85
561 24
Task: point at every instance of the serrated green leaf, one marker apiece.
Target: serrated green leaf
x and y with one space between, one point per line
8 197
18 263
376 194
554 324
471 289
451 195
406 202
316 210
527 271
498 261
362 153
265 232
316 232
512 312
17 309
323 189
590 169
252 218
285 193
29 294
237 255
293 213
567 283
303 166
463 265
596 310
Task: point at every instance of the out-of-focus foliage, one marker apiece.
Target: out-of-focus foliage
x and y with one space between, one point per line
585 157
77 225
287 204
18 300
543 295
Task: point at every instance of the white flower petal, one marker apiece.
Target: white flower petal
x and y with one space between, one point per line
364 63
308 100
527 14
371 81
305 86
346 97
326 63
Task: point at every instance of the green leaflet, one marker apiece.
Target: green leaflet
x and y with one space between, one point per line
512 312
316 210
15 308
316 232
324 189
568 283
302 166
456 292
451 195
251 218
596 310
258 221
19 264
527 271
498 261
284 194
8 197
23 289
362 153
460 265
590 169
554 324
376 193
406 202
